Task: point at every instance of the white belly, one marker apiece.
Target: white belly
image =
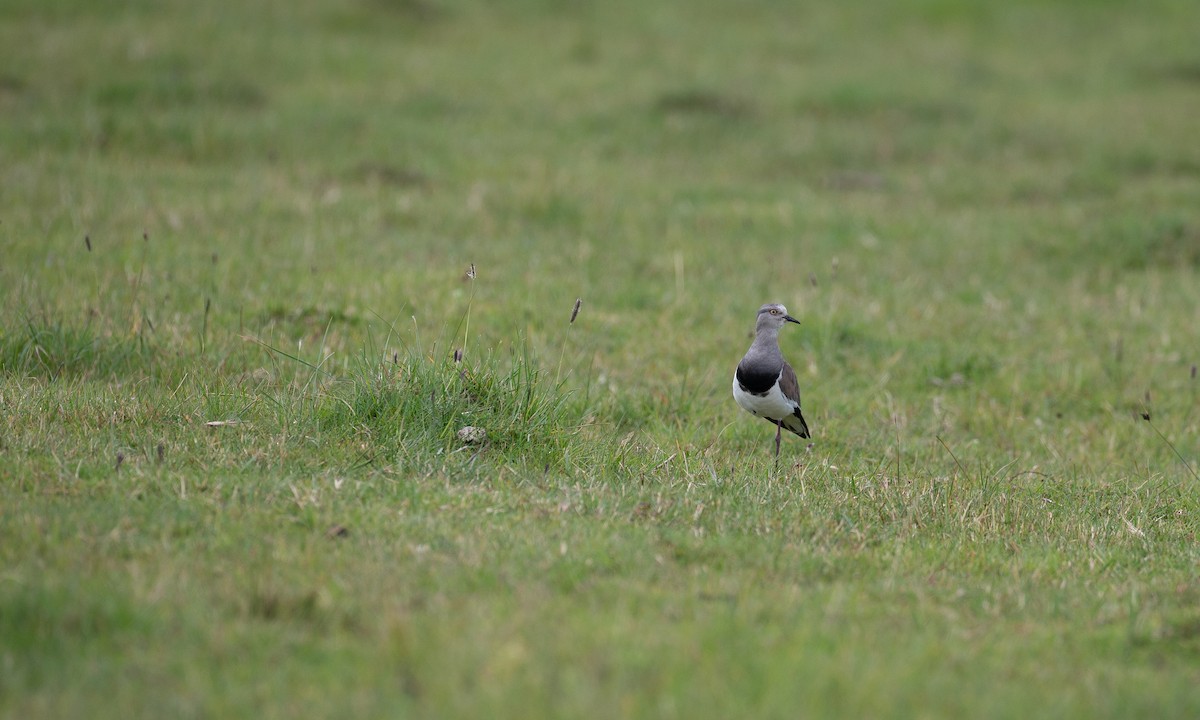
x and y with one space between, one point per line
773 406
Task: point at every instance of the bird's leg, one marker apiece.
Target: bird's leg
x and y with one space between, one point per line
778 436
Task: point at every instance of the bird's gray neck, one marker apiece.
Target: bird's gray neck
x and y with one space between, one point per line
765 348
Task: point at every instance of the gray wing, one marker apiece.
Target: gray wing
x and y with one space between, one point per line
791 390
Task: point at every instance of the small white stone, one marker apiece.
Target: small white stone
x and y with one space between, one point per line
471 434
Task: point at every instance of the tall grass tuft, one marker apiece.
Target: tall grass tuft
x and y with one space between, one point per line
51 348
405 402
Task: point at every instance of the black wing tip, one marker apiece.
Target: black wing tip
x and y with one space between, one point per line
803 431
799 432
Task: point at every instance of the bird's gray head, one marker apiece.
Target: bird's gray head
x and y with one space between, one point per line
773 316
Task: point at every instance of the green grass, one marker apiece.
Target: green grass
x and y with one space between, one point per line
987 216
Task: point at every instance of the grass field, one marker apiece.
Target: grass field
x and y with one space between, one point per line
262 215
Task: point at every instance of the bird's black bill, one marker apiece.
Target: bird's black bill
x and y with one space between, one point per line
789 318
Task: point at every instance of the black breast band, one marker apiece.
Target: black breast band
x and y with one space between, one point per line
757 382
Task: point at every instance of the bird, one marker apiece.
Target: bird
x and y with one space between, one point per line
764 384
